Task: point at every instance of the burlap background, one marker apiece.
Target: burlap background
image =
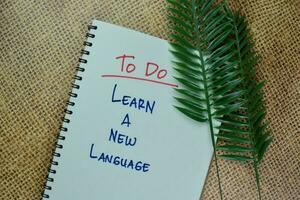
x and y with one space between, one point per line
39 48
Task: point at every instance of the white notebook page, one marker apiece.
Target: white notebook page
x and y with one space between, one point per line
125 139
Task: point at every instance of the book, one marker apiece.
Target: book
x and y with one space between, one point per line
121 137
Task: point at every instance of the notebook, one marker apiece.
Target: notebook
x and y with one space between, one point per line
121 137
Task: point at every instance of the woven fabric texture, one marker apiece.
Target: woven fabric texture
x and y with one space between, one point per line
40 43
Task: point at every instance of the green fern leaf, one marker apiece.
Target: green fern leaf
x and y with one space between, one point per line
234 148
245 132
208 77
236 157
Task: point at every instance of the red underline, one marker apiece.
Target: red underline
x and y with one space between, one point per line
140 79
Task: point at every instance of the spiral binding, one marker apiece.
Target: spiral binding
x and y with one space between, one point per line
72 94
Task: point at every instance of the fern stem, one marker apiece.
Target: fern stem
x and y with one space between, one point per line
215 156
255 165
207 97
244 86
211 123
